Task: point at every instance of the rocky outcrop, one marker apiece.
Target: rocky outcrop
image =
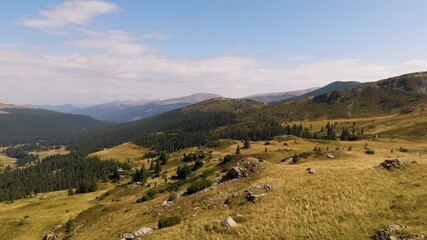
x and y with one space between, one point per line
52 234
244 168
139 232
392 232
390 164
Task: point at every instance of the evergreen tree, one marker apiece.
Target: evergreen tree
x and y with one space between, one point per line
238 149
247 144
158 168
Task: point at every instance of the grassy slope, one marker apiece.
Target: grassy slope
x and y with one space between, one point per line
349 198
43 214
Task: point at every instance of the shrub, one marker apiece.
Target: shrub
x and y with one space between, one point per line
199 185
369 151
169 221
172 197
148 196
198 164
227 159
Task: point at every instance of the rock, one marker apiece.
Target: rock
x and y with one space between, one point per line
311 170
229 222
244 168
127 236
331 156
287 160
251 197
385 233
269 187
143 231
412 236
391 163
166 203
49 236
414 162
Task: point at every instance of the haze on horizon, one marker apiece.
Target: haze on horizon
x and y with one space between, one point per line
95 51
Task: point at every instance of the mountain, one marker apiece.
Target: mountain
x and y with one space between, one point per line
126 111
65 108
388 96
20 124
338 85
243 118
273 97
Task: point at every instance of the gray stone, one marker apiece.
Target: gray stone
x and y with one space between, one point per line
143 231
391 164
229 222
311 170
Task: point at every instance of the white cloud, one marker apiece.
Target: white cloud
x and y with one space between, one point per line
114 42
156 35
72 12
38 78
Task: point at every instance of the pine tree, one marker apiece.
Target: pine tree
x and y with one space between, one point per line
247 144
238 149
158 168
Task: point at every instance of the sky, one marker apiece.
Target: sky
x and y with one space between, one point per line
96 51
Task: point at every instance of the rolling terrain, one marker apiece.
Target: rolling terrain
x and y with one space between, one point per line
304 168
22 125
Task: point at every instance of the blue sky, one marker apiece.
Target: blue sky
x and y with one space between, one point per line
93 51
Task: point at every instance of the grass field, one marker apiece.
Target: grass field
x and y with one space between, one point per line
43 154
126 152
349 198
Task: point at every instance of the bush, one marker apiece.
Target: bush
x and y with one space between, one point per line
369 151
172 197
148 196
198 164
227 159
199 185
169 221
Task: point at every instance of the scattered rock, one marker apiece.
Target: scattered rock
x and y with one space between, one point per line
385 233
52 234
143 231
229 222
166 203
391 164
251 197
412 236
244 168
127 236
287 160
331 156
311 170
414 162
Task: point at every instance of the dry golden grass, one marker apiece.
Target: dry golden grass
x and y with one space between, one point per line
349 198
122 153
5 160
43 154
43 214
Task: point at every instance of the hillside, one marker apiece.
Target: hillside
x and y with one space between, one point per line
248 119
126 111
334 86
25 125
402 94
274 97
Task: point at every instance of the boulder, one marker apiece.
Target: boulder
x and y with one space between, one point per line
143 231
127 236
330 156
311 170
228 222
390 164
385 233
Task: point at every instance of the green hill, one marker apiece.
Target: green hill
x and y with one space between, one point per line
26 125
247 119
